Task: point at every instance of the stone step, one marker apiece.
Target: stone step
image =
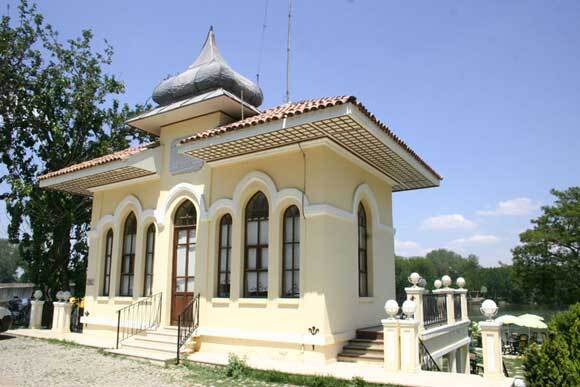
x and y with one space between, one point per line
150 346
161 332
153 357
347 356
157 339
375 348
367 341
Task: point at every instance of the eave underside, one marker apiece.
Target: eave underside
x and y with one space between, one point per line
344 131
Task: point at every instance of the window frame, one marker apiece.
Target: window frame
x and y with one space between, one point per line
363 272
108 262
260 218
225 221
130 274
293 213
148 271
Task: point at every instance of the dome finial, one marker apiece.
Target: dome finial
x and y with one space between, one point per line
208 72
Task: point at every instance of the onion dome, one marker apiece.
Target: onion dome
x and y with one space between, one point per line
208 72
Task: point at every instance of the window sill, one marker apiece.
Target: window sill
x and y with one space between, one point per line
366 300
220 301
260 302
103 299
288 302
124 300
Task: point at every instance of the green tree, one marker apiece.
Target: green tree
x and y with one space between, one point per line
10 261
547 263
57 107
557 362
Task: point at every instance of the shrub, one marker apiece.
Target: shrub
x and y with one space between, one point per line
557 361
236 367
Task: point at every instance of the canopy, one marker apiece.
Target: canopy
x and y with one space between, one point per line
508 319
531 322
529 315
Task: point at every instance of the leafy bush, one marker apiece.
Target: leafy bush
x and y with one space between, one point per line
557 361
236 367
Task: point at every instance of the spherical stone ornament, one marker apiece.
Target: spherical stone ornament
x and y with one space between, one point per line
391 308
422 283
414 278
460 282
446 281
59 295
37 295
66 295
437 284
488 309
409 308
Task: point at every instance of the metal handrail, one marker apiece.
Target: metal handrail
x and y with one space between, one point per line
434 310
138 317
187 323
427 361
457 307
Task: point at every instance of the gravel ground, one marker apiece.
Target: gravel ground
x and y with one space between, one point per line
35 362
31 362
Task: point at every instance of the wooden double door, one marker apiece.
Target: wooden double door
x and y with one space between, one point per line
183 284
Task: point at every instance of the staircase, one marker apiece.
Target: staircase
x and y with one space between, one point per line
157 346
367 347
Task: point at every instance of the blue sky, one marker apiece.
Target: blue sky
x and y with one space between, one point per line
486 92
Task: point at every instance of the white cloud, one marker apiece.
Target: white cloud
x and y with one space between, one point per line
517 206
447 222
409 248
477 239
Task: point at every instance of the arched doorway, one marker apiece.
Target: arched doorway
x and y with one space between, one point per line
184 242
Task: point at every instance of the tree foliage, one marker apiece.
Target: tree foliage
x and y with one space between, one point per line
10 261
557 361
547 263
497 280
57 107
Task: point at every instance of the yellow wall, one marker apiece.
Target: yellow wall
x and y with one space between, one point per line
329 272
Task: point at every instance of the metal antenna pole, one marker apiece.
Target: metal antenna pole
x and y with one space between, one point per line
288 53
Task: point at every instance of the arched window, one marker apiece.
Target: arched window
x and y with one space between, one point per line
185 239
363 286
256 247
225 250
108 259
149 255
128 256
291 253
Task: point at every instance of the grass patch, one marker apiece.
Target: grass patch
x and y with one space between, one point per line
238 370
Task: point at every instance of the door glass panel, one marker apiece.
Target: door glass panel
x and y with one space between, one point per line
180 261
264 260
251 264
223 259
182 236
287 282
297 257
190 285
251 283
263 282
252 231
264 232
287 229
288 256
191 261
180 285
192 235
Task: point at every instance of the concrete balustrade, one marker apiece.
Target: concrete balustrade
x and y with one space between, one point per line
391 344
36 314
61 317
491 346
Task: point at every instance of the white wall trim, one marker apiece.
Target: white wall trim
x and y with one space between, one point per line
193 192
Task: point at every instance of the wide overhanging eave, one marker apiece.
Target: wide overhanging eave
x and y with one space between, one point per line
346 125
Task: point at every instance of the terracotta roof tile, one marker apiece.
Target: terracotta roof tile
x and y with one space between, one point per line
301 107
120 155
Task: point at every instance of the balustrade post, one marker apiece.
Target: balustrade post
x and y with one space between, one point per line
491 348
409 333
416 293
448 292
36 314
463 294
